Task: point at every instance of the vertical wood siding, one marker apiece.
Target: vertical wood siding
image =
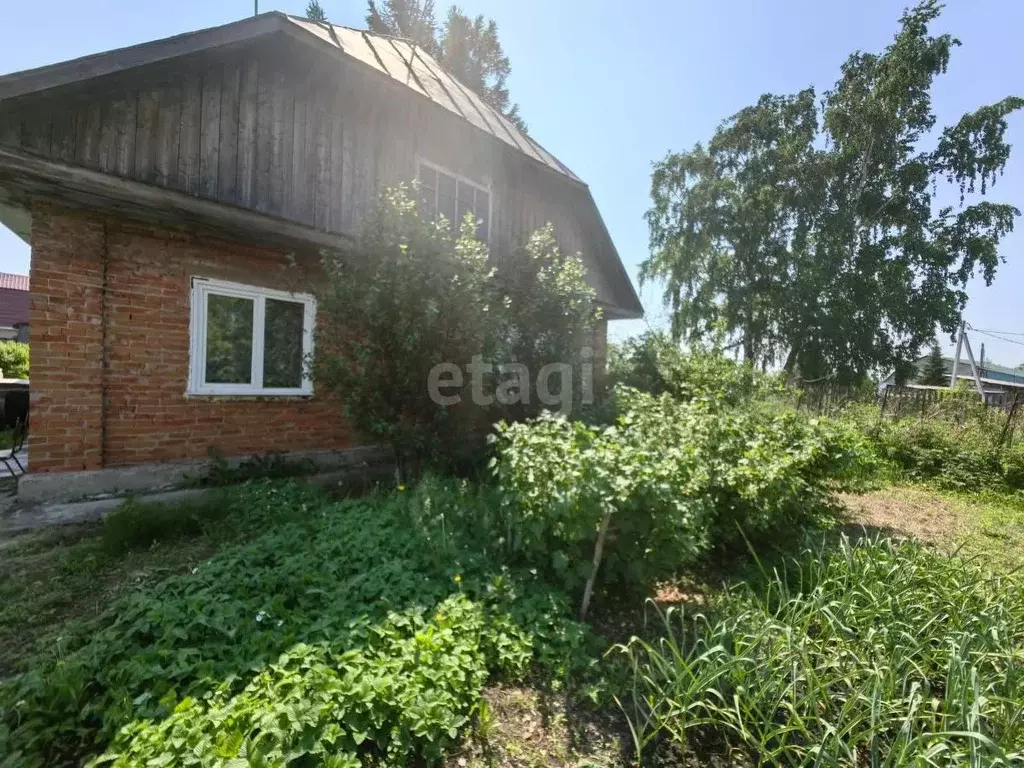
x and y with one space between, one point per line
295 137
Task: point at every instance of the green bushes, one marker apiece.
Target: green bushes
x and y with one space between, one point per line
372 611
877 654
955 445
680 476
413 302
397 689
134 525
14 359
654 363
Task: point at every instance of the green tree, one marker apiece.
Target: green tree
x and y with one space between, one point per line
545 313
933 372
467 47
315 12
14 358
471 51
809 229
412 19
407 295
410 294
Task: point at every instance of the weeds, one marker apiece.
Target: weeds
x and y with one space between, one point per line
876 654
269 466
340 613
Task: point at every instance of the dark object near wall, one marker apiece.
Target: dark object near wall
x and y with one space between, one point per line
15 408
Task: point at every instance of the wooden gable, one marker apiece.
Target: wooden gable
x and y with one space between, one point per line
273 125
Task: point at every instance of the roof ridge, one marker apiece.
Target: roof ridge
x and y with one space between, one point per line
519 139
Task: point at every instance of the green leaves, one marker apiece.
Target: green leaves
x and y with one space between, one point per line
955 445
681 477
14 356
411 294
346 631
811 232
876 653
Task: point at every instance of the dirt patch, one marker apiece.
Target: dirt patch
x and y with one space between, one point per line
904 512
521 727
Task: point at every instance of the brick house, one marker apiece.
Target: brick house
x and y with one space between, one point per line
176 194
13 307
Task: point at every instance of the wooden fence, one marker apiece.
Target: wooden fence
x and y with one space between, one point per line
1000 412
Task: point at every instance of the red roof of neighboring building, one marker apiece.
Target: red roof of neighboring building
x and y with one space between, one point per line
14 282
13 299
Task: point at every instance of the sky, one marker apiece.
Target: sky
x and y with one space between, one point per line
611 87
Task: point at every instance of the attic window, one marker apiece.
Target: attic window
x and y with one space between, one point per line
451 196
248 340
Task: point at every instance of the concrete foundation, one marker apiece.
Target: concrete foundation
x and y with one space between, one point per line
352 472
58 487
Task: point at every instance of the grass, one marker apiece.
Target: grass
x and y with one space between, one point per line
58 578
363 629
523 727
156 562
875 654
989 525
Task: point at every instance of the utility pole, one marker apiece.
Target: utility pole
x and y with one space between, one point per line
956 358
974 368
256 7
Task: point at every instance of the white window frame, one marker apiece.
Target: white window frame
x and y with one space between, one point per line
459 179
202 288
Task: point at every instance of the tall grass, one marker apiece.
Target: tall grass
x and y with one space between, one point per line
877 654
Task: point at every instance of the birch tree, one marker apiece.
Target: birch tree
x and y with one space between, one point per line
814 231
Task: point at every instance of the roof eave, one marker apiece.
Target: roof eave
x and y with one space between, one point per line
627 305
120 59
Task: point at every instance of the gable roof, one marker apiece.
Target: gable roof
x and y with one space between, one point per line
394 58
409 64
989 372
397 58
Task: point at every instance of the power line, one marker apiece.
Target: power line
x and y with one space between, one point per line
990 330
997 336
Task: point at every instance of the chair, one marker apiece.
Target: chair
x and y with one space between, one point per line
8 455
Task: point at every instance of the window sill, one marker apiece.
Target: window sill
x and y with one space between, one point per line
248 396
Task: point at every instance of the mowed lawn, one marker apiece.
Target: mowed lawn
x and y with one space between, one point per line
987 525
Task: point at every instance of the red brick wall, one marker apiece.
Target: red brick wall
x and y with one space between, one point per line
66 339
143 314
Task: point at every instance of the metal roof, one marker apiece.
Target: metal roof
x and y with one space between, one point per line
989 372
13 282
395 58
409 64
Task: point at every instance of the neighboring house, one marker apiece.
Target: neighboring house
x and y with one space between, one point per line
176 193
1000 384
13 307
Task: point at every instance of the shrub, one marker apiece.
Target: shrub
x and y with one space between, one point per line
359 628
268 466
679 476
545 313
954 445
653 363
877 654
14 359
411 294
136 525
